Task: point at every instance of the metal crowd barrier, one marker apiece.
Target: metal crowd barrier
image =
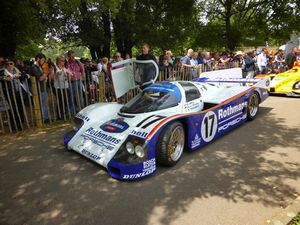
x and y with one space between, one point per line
32 103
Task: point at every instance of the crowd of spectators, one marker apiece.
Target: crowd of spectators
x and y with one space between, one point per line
252 62
71 78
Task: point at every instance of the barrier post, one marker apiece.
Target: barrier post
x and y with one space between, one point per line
101 87
200 69
160 76
36 103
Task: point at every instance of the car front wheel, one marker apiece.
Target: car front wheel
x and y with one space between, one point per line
170 144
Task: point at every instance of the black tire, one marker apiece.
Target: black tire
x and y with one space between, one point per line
253 106
170 144
296 87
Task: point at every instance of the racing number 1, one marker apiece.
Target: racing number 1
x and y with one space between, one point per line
209 126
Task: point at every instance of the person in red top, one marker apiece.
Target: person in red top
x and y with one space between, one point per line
76 75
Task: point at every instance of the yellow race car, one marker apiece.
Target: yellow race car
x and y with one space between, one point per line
287 83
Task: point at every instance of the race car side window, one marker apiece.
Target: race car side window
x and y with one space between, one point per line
191 91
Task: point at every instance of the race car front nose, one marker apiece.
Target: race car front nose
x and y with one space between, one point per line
131 161
77 123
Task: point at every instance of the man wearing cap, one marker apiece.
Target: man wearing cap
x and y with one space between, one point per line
11 91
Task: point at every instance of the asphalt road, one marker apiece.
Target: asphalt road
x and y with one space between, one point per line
243 178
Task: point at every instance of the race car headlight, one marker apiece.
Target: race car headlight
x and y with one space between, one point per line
139 151
134 150
77 123
130 147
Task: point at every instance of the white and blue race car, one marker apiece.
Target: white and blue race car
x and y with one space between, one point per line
166 118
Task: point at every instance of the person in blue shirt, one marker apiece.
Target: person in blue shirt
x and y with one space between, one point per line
186 60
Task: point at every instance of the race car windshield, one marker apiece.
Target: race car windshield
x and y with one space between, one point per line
149 101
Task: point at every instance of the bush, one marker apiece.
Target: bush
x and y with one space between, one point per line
296 220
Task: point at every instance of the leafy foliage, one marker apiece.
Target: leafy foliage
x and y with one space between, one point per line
19 26
121 25
296 220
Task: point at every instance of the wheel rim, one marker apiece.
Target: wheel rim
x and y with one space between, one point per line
176 143
296 86
253 105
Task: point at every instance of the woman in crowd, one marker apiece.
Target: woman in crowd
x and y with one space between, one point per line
238 60
61 86
169 57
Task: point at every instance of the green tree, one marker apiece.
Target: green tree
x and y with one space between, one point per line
86 20
249 22
20 25
165 24
124 24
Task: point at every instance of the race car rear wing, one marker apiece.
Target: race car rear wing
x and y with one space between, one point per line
131 73
263 83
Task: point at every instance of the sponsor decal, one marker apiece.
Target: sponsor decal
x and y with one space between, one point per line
140 134
83 117
102 136
228 111
196 142
97 142
149 164
148 168
191 106
90 155
232 123
115 126
138 175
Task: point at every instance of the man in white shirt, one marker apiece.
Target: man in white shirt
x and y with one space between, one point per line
262 61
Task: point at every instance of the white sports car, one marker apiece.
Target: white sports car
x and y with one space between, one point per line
158 124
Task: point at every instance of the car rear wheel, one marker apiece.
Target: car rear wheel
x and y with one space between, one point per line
253 106
170 144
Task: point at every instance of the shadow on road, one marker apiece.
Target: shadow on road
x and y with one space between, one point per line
43 184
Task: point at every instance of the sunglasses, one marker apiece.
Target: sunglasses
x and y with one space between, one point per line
9 64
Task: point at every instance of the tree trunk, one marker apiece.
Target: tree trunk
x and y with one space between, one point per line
93 53
8 44
230 42
107 33
99 52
